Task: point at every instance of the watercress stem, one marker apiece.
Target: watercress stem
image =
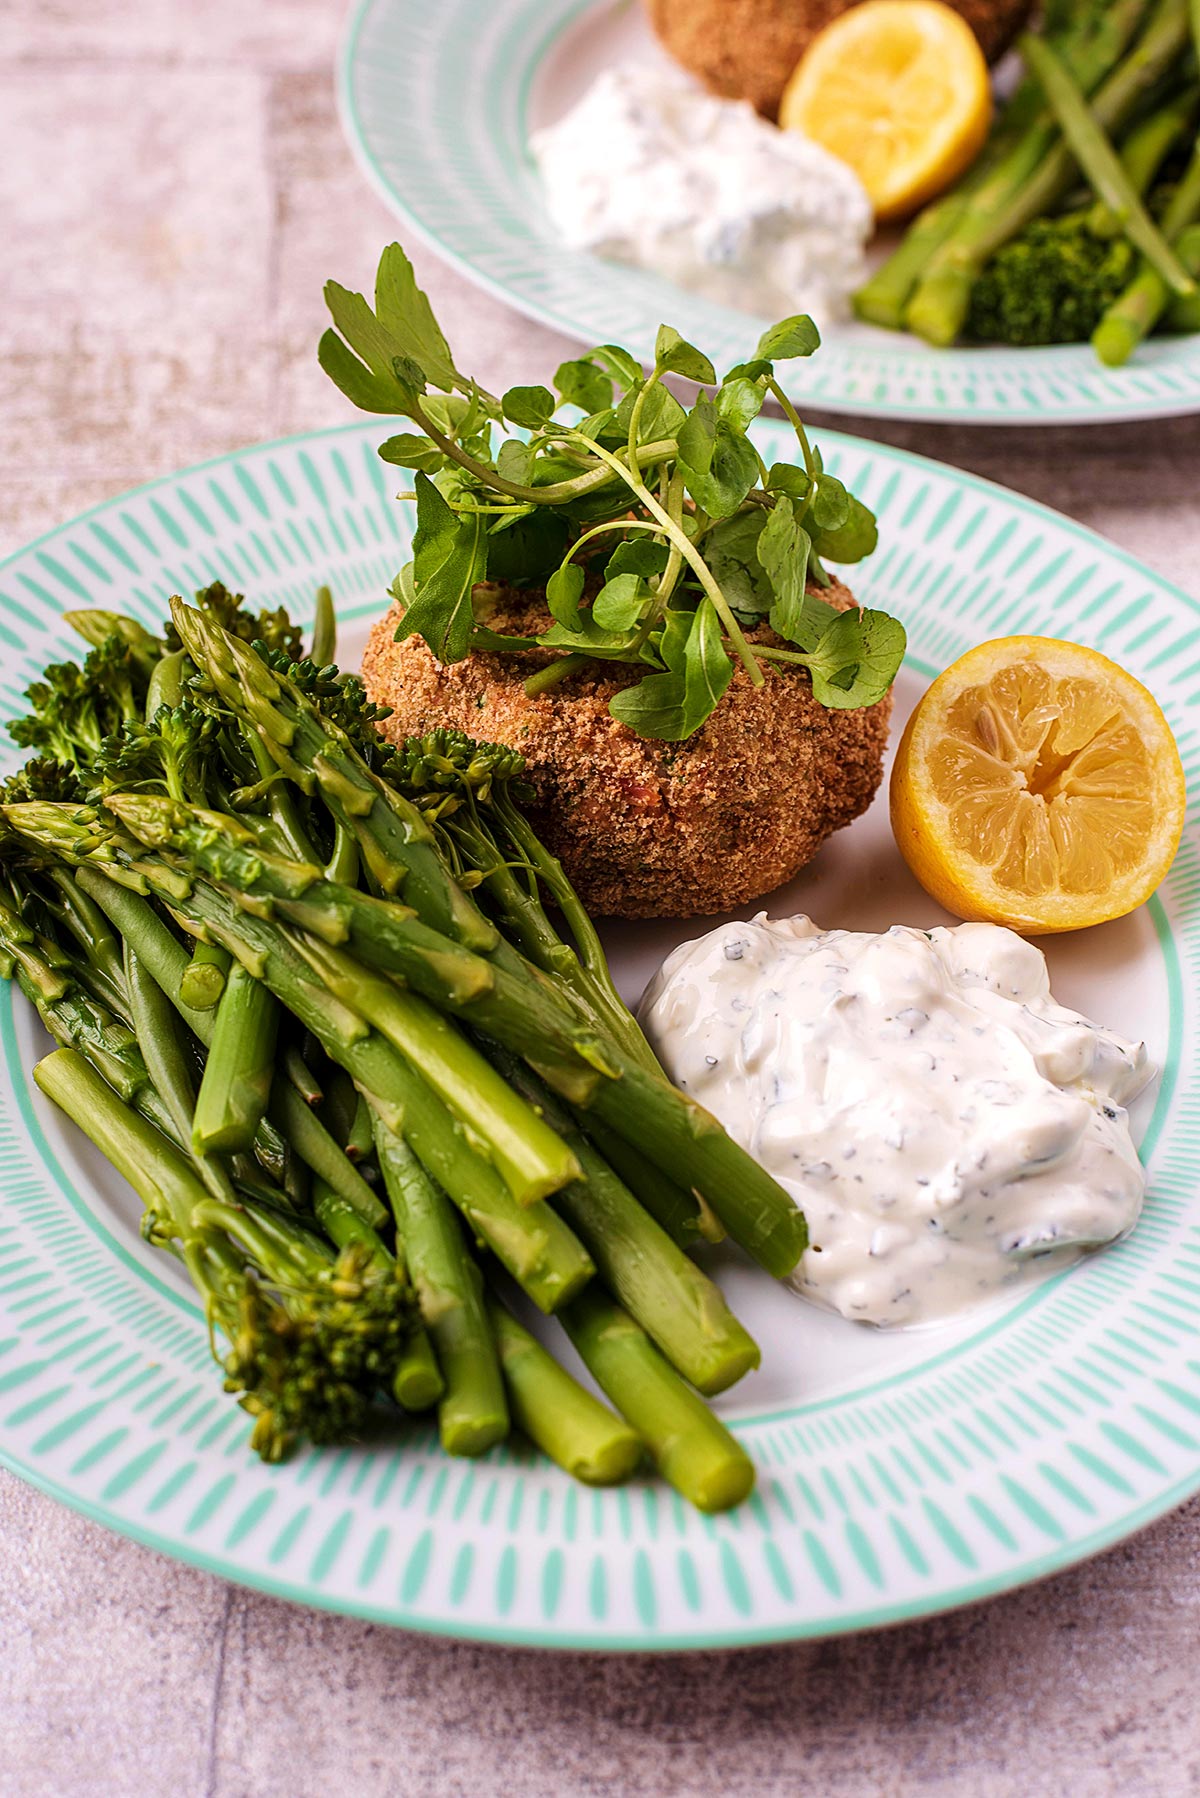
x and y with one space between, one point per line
692 556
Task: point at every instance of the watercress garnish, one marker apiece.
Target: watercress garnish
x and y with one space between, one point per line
665 515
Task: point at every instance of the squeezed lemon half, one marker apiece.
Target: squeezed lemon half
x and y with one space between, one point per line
1038 785
898 89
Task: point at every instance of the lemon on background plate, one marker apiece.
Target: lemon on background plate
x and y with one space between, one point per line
1038 785
898 89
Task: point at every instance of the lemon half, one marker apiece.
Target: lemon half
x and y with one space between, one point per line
1038 785
898 89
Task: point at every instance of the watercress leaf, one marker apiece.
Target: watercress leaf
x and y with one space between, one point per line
449 558
513 461
739 402
654 707
732 472
370 340
617 362
674 355
530 406
830 504
369 391
673 705
402 588
785 477
796 336
783 553
750 371
564 590
592 639
731 550
409 451
602 427
582 384
404 311
662 415
856 659
480 445
851 541
637 555
620 603
697 436
707 667
526 546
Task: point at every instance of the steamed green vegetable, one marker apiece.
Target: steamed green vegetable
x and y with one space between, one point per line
295 970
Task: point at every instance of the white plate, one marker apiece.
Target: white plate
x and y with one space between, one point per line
899 1474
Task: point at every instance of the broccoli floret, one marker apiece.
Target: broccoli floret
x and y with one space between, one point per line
341 698
44 778
274 628
1052 284
448 763
73 709
171 754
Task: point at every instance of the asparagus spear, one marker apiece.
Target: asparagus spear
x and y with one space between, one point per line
299 1125
324 632
1134 314
677 1305
1101 164
416 1381
558 1414
473 1414
1184 315
689 1446
681 1138
1143 153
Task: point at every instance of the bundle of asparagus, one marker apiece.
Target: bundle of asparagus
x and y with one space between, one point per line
1110 96
297 973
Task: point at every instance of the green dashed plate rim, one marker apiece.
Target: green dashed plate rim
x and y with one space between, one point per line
436 103
1055 1430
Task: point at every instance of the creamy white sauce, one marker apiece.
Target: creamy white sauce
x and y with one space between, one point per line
649 169
947 1128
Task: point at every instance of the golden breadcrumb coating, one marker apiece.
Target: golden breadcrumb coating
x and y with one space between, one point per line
644 828
747 49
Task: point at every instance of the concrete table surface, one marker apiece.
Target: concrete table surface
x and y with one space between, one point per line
173 192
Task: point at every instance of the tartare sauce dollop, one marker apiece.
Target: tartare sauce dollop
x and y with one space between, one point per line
649 169
947 1128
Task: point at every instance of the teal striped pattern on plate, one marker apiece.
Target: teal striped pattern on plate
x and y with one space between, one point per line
436 102
1056 1428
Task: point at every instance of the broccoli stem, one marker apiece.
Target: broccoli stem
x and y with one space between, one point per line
324 632
297 1072
345 1116
312 1142
203 980
417 1383
163 955
473 1413
164 1051
677 1305
560 1416
236 1084
1100 162
689 1446
1134 314
1039 169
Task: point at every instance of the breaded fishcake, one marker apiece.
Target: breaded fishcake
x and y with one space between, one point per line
644 828
747 49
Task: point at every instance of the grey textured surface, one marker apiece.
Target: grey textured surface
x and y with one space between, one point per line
173 191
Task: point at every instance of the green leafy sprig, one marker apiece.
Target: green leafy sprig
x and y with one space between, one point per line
658 533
